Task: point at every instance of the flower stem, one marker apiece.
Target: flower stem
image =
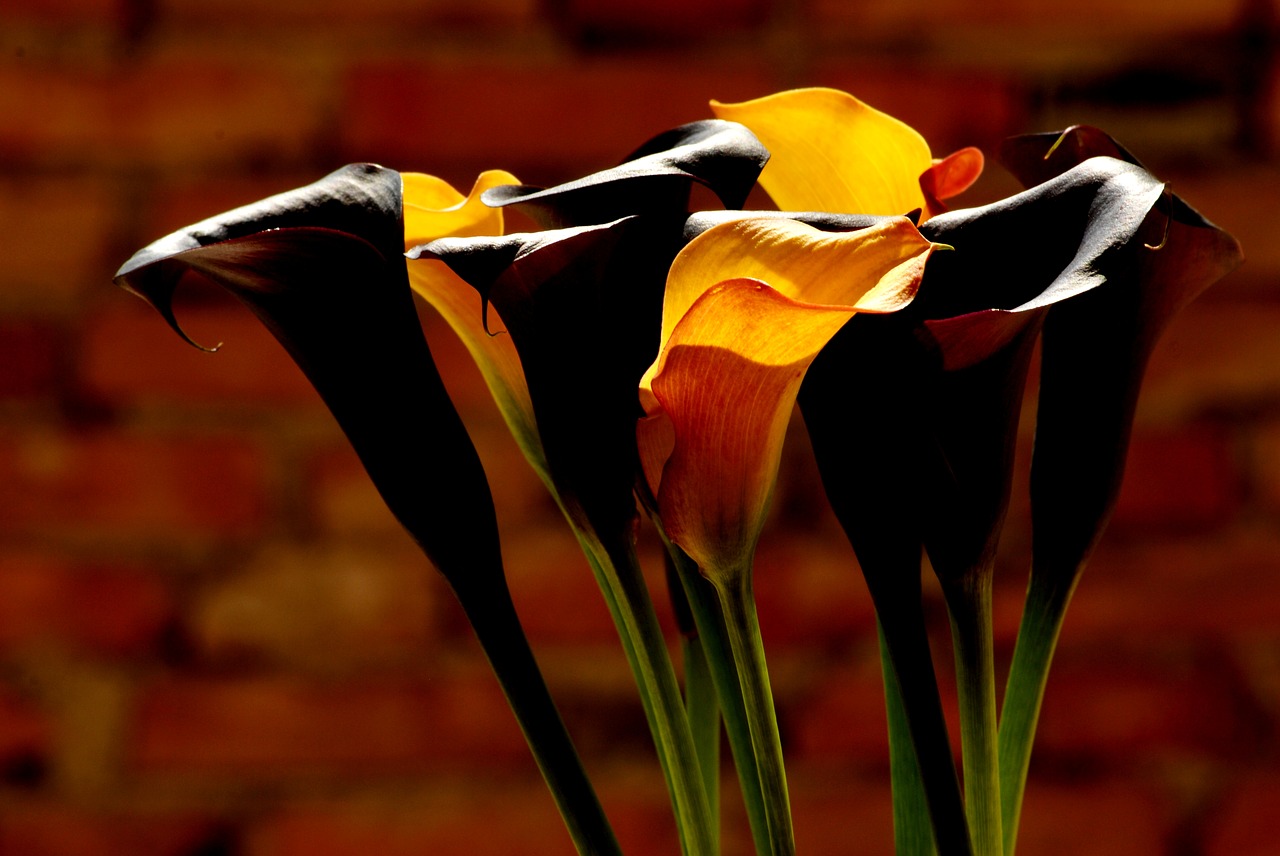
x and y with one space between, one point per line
1046 606
497 627
703 709
912 835
618 572
738 606
705 606
906 644
969 603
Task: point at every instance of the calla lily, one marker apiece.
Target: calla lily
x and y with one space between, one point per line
579 307
831 152
1095 350
749 304
956 402
727 331
655 179
323 268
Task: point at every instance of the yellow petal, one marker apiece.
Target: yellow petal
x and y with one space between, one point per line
871 270
831 152
433 209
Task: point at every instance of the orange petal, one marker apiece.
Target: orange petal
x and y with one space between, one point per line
874 270
726 384
950 176
734 350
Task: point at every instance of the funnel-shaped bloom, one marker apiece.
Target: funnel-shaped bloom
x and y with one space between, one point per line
576 310
323 268
580 307
1096 350
831 152
748 306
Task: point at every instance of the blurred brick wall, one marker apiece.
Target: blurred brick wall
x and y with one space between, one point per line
215 642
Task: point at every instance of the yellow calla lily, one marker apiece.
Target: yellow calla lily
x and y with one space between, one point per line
832 152
434 209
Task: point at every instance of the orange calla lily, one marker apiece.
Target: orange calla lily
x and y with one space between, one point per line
832 152
749 304
734 348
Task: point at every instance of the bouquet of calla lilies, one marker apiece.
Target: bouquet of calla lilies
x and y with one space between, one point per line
647 359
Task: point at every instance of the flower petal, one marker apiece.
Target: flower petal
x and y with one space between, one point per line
831 152
654 179
322 268
875 269
720 394
726 383
582 307
949 371
951 176
1095 351
433 209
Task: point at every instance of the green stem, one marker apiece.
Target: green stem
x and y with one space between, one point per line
618 572
703 709
912 835
497 627
969 603
907 643
714 636
1047 600
738 606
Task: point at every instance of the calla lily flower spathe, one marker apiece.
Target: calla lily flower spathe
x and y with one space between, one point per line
1094 354
831 152
749 303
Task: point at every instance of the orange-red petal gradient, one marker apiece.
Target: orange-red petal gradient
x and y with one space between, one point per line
735 348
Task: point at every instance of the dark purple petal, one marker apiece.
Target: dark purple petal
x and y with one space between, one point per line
323 268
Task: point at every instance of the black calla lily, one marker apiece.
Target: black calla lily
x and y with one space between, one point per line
1094 353
323 268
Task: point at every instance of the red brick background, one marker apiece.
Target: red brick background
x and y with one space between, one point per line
215 642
